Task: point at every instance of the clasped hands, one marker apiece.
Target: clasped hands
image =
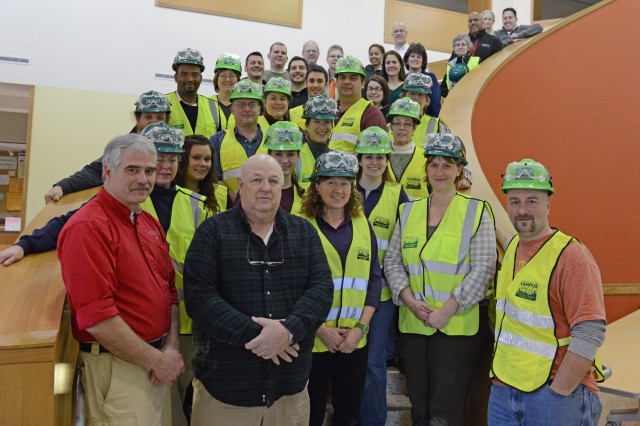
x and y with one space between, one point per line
343 340
272 342
429 316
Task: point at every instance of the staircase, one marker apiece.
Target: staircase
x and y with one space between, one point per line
398 405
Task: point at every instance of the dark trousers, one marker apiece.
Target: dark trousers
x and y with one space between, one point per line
346 372
439 369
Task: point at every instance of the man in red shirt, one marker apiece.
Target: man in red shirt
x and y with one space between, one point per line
120 283
550 317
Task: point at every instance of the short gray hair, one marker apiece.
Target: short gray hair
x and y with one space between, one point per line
112 156
462 37
489 12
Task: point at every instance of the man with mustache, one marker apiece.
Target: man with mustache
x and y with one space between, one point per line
190 111
298 67
550 317
121 288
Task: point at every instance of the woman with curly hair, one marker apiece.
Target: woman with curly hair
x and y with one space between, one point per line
332 205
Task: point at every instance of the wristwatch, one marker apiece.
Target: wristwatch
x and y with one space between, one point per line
292 341
363 327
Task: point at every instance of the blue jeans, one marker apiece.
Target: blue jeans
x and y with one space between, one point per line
374 397
544 407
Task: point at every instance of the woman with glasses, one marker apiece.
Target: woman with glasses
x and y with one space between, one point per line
226 74
284 142
377 91
439 264
393 72
332 205
381 199
319 114
460 65
406 164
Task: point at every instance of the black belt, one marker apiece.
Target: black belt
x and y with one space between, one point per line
86 346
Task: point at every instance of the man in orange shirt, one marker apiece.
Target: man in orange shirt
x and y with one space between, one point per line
550 317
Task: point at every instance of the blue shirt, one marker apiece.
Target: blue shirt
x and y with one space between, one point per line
250 147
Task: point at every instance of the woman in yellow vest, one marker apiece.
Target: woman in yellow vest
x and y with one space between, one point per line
460 65
332 205
381 199
407 159
195 173
319 114
226 74
439 264
283 142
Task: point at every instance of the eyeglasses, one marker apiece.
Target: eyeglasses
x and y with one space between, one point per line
243 105
310 51
266 262
374 89
172 162
228 77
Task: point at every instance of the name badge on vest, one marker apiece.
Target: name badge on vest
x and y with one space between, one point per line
413 183
408 243
348 122
381 222
527 290
363 253
178 125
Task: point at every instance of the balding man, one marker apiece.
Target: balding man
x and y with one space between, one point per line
311 52
257 286
483 44
399 33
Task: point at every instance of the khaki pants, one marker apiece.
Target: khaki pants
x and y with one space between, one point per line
118 393
292 410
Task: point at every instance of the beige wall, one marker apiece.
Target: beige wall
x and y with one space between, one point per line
70 129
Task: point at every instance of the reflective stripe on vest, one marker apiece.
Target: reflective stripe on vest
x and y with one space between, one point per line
349 285
526 342
383 219
205 124
437 265
187 213
345 134
412 178
233 155
213 107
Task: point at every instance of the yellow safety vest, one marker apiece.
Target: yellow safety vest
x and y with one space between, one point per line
345 134
383 219
412 178
221 123
438 265
526 342
221 193
349 285
187 213
295 116
233 155
206 123
473 62
305 166
427 125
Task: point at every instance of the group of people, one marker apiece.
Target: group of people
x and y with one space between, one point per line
251 254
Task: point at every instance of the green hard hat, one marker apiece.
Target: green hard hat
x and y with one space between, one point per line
349 64
527 174
457 72
228 61
374 140
445 145
246 89
320 108
336 164
405 107
167 139
152 101
283 136
278 84
418 82
188 56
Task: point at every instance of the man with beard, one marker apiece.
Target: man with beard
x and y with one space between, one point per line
298 75
550 317
254 67
190 112
277 60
